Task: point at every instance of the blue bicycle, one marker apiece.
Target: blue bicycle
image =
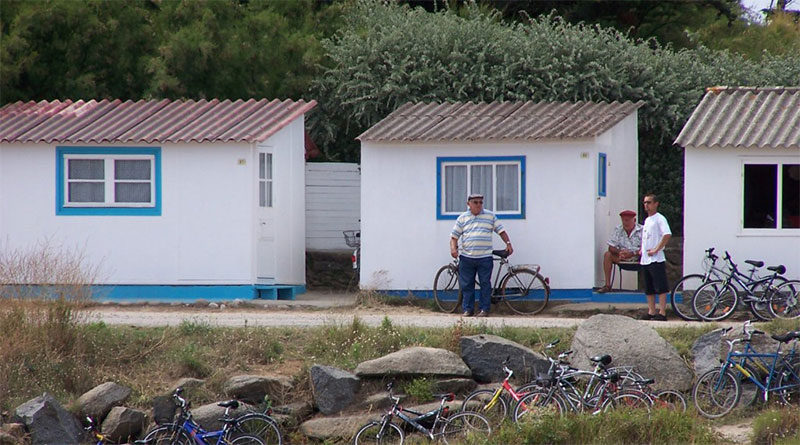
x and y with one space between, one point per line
185 431
718 390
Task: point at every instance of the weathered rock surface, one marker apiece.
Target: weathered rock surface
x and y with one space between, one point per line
163 409
98 401
631 343
48 422
253 388
705 351
333 388
325 428
415 361
456 386
484 354
122 424
208 415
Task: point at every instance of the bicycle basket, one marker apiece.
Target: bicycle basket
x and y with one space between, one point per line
352 238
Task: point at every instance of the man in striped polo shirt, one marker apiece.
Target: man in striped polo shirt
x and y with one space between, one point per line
474 227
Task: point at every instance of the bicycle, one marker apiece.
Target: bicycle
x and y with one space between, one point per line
91 428
785 301
353 240
718 390
716 300
685 289
185 431
522 288
435 424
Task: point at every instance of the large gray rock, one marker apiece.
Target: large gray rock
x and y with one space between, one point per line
253 388
98 401
632 343
456 386
705 351
416 361
49 423
208 415
332 428
484 354
123 424
333 388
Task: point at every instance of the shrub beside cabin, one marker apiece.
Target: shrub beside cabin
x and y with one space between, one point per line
556 174
742 177
171 199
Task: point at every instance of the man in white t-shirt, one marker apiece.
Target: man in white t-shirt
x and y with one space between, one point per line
655 236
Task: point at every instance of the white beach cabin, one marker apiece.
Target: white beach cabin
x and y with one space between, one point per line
169 199
557 174
742 177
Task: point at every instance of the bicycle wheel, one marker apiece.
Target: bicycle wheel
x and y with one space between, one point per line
627 399
465 424
525 291
536 404
716 393
682 295
246 439
260 425
789 380
478 401
785 301
763 292
715 301
670 399
446 290
168 434
372 433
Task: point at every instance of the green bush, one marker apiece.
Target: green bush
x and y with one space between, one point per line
777 426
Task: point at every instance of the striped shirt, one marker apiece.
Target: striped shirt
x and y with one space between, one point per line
475 232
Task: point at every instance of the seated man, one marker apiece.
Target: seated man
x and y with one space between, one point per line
622 247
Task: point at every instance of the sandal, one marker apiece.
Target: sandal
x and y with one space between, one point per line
604 289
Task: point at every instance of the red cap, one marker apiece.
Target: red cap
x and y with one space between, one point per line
627 213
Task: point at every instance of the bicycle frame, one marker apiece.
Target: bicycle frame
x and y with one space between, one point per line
499 277
744 282
400 412
750 355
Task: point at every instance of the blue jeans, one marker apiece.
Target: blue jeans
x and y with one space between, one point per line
467 268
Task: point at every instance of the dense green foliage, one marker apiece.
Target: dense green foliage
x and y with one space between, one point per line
388 55
61 49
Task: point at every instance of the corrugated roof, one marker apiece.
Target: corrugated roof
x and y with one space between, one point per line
749 117
147 121
498 121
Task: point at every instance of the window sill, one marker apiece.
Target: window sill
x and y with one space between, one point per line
769 233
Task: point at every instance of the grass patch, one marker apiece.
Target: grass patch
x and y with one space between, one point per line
616 427
777 426
683 337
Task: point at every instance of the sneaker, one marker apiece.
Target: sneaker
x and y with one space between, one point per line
659 317
482 314
467 314
646 317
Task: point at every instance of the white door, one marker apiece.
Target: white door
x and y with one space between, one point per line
266 217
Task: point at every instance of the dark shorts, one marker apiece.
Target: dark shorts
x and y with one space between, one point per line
655 278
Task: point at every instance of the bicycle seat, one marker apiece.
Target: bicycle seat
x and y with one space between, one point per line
229 404
605 359
500 253
754 263
787 337
449 396
780 270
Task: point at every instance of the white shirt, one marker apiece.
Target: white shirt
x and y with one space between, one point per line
655 227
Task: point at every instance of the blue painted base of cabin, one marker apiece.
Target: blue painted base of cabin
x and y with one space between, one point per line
562 295
186 294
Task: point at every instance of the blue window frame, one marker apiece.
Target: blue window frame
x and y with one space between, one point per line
601 174
108 181
501 179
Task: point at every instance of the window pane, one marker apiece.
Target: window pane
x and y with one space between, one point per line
86 169
261 165
790 196
269 194
132 169
481 182
262 194
760 200
86 192
455 188
507 188
132 192
269 166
